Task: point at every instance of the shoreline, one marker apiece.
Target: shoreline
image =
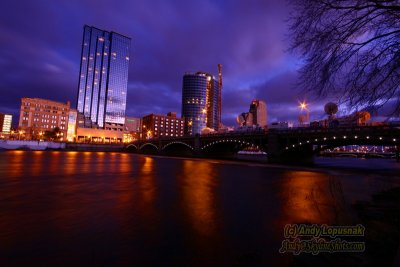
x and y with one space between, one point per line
262 162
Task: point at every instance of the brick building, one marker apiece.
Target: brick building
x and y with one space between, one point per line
40 115
156 126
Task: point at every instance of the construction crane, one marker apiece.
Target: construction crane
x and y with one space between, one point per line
220 94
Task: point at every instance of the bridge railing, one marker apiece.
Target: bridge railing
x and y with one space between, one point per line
310 130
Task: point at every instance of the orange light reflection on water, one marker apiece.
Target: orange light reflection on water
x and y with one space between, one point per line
55 164
17 161
198 179
99 158
124 184
36 167
311 197
70 162
146 180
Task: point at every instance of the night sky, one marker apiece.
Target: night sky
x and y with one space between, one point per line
40 45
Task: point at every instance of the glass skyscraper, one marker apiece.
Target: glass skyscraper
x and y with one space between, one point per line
103 78
200 95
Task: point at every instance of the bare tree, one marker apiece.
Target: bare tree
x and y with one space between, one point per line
351 49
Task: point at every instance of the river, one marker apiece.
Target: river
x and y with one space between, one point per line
116 209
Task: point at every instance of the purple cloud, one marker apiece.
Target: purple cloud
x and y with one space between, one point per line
40 49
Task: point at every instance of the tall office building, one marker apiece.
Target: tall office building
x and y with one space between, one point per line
258 109
200 98
103 78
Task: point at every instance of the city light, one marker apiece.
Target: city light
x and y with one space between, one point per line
303 105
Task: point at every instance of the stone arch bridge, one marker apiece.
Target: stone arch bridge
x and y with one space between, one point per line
297 145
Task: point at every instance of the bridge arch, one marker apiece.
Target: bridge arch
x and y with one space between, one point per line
342 140
177 142
148 144
132 147
234 145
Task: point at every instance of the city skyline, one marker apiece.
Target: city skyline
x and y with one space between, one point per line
250 39
163 49
199 133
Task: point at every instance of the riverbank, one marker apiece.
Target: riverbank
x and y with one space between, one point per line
30 145
350 165
48 145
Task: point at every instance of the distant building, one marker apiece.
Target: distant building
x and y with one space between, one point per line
156 126
281 125
257 115
72 125
132 129
258 109
200 100
38 116
5 123
133 124
245 119
103 79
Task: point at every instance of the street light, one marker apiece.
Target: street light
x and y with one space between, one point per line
149 136
304 106
21 132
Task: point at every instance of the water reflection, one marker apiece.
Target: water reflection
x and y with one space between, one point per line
71 158
198 179
15 168
55 164
85 162
125 165
146 182
99 159
37 165
311 197
113 209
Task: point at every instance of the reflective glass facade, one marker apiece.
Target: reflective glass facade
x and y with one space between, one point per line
103 78
200 94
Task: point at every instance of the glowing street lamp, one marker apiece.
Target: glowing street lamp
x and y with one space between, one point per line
149 135
304 106
20 132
